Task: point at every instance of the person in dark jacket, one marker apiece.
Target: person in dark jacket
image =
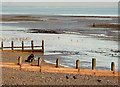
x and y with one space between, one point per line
30 58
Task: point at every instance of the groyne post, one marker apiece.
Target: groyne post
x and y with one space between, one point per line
32 45
43 46
2 45
12 45
39 61
20 60
77 64
58 62
112 66
93 64
22 45
93 24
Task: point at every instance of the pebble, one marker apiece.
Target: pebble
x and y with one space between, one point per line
60 78
13 77
50 77
108 81
85 54
99 80
67 77
74 77
42 77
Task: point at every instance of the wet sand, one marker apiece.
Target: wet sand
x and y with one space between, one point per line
22 77
60 24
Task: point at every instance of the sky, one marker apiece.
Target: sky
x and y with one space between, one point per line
60 0
64 4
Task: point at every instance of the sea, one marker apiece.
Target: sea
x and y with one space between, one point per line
69 11
71 46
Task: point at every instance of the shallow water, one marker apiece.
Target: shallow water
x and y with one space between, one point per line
69 48
81 43
64 24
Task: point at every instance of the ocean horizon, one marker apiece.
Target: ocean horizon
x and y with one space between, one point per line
63 11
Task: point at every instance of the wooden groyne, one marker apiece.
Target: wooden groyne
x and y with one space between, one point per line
23 47
59 69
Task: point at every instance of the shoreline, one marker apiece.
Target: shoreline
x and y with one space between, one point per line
35 62
98 26
27 77
113 53
62 15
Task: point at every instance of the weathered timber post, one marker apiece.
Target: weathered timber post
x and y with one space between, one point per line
22 45
40 68
58 62
2 45
93 64
43 46
93 24
77 64
112 66
20 60
12 45
39 61
32 45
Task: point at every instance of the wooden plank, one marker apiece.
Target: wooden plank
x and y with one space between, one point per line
77 64
20 60
32 45
21 47
46 68
37 46
2 45
112 66
37 50
18 47
27 46
43 45
39 61
7 47
58 62
93 64
12 45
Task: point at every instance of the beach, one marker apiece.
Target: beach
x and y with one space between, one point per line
11 76
69 37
